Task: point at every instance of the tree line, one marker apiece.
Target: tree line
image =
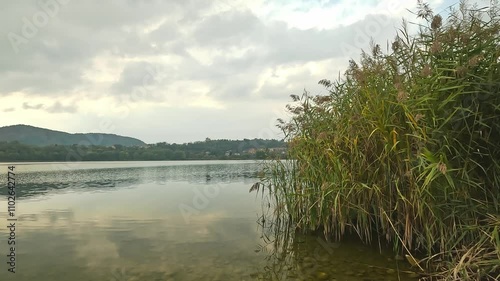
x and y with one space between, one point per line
201 150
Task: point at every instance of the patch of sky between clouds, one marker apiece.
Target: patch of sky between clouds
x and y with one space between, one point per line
326 14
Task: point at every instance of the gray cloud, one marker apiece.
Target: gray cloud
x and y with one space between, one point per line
138 74
57 107
286 45
228 28
167 32
276 44
10 109
54 60
28 106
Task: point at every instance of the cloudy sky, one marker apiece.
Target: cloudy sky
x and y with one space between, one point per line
178 70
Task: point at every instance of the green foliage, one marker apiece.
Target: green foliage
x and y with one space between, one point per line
405 148
207 150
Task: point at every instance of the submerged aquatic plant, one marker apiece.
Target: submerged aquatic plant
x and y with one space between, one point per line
405 148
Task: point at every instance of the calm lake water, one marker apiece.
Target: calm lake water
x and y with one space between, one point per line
152 221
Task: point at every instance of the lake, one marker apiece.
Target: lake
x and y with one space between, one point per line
189 220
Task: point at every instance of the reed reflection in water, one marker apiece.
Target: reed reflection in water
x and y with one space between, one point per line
293 255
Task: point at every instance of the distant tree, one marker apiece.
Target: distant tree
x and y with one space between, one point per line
179 155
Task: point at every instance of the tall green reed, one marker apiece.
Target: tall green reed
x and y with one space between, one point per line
406 147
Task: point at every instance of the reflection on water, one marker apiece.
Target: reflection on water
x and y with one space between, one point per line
295 256
38 179
139 221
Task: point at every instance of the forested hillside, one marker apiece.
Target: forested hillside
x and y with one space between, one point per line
41 137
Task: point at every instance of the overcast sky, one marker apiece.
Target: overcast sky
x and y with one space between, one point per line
178 70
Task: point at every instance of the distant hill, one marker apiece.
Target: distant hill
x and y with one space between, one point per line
42 137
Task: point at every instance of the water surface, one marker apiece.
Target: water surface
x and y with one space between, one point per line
192 220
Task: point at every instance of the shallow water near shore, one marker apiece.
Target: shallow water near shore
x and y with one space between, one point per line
192 220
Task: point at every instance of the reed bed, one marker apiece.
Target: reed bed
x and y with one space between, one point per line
405 148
